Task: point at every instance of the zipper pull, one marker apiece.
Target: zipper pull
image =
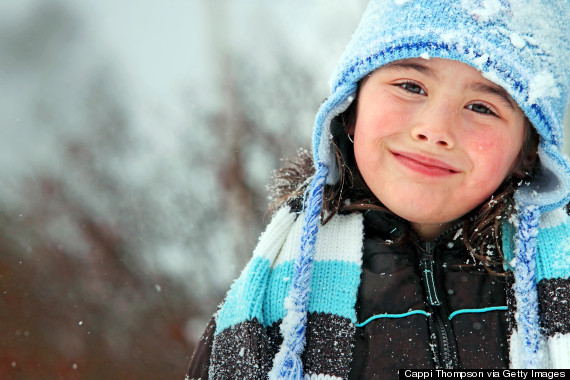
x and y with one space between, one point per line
427 273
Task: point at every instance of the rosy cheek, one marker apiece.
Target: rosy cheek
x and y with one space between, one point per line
491 156
375 127
481 144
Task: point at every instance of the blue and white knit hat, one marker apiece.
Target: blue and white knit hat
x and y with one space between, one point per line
521 45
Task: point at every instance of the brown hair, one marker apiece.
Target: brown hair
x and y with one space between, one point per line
481 227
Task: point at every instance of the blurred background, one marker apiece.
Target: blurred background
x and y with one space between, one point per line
137 138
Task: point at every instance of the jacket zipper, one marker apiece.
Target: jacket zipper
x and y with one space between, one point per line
444 332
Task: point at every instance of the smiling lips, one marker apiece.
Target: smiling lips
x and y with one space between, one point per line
424 165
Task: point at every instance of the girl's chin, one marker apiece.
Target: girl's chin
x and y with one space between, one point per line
429 231
428 219
428 226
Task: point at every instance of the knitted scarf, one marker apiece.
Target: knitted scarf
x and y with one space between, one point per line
252 319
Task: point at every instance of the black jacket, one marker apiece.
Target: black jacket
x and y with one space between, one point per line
416 275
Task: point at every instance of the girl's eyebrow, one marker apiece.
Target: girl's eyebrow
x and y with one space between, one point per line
407 65
493 90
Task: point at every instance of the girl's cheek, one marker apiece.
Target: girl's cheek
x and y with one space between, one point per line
492 154
481 143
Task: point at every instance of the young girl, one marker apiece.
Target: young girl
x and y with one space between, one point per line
428 230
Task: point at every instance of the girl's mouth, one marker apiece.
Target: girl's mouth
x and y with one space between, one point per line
424 165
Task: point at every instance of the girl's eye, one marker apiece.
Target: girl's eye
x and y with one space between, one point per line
481 108
412 87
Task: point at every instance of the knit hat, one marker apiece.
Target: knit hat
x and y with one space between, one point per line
521 45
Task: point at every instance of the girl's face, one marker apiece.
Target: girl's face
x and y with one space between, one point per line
433 139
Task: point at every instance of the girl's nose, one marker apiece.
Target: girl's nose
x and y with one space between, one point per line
435 127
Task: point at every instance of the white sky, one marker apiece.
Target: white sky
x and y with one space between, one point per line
158 46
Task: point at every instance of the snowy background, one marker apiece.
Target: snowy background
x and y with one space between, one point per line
137 139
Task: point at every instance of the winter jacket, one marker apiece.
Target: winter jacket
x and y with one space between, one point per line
438 278
447 316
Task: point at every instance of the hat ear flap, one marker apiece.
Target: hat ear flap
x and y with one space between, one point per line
287 363
525 285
